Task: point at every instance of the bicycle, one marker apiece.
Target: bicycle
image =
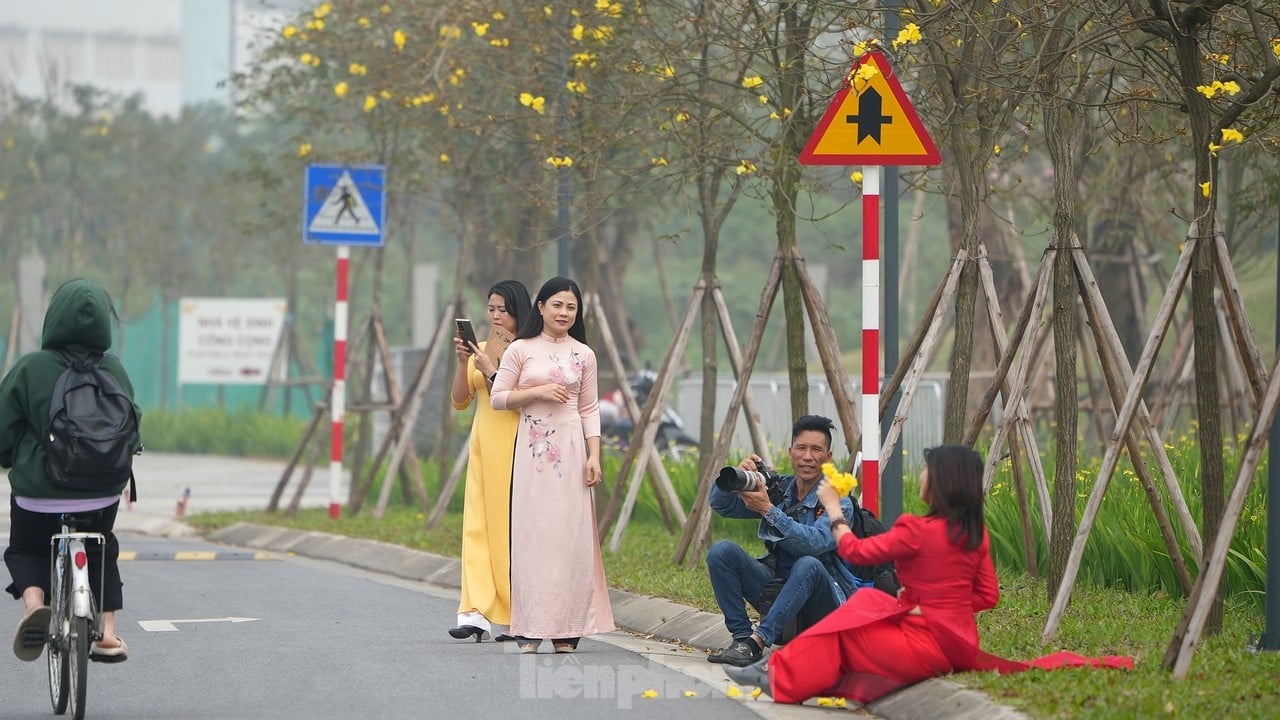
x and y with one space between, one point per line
75 623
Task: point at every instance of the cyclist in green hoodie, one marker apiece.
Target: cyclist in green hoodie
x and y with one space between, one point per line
79 322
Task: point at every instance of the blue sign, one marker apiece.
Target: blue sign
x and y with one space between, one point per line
344 205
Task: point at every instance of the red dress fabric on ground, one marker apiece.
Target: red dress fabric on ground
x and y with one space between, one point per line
875 644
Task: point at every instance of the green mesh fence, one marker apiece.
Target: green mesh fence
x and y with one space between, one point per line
149 348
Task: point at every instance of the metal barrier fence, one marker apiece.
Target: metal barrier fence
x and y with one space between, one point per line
771 394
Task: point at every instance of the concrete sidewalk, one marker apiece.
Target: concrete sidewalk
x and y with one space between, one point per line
219 483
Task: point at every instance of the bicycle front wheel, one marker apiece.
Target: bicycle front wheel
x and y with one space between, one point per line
78 665
57 643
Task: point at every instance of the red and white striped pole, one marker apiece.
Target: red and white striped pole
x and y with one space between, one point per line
338 403
871 338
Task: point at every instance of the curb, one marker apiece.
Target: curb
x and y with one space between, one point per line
651 616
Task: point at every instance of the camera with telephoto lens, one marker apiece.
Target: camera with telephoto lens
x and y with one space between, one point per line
735 479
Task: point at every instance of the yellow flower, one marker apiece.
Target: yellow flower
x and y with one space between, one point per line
324 9
385 9
856 177
316 25
733 691
537 104
480 28
450 32
370 102
1204 188
1219 58
340 89
1230 87
305 58
289 31
860 49
690 693
1214 148
826 702
842 482
746 167
682 117
398 37
358 69
866 72
649 694
764 99
560 162
385 94
752 81
576 86
364 22
584 59
1232 135
444 158
304 149
667 71
498 15
500 42
658 161
908 35
1275 48
577 31
996 149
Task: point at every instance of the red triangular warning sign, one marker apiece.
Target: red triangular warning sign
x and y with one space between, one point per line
870 122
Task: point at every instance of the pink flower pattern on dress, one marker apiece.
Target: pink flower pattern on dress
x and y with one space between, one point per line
567 372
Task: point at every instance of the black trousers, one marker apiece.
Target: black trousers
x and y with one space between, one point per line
27 556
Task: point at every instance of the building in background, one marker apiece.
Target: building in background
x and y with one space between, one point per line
172 52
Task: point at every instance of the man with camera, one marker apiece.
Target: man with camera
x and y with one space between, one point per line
800 578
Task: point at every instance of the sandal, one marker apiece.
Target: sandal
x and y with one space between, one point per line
97 653
527 645
565 645
32 633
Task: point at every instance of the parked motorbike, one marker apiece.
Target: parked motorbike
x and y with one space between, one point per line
616 423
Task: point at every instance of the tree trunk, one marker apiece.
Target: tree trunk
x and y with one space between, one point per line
968 178
1203 308
784 189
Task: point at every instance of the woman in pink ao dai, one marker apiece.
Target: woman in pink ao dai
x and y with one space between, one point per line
558 590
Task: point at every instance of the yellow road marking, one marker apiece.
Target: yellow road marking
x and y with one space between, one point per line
196 555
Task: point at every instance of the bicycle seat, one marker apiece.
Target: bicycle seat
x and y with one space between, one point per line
76 520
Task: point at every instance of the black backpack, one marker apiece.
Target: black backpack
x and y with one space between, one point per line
93 429
864 524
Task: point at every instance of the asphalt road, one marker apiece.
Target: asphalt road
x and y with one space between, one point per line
232 633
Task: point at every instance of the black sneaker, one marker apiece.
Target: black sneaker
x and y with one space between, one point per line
740 654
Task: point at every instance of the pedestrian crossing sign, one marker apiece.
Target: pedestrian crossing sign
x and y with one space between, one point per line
870 121
344 205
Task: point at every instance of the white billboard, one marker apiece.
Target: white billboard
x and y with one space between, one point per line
228 341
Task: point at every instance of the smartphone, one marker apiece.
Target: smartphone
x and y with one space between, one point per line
466 332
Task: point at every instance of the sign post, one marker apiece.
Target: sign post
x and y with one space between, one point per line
342 205
870 122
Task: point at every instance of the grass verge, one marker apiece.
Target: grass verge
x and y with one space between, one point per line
1226 679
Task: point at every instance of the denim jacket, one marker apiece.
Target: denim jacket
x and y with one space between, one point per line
802 532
